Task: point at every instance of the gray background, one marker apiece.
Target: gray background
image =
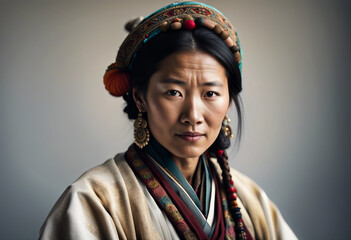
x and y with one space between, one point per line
57 120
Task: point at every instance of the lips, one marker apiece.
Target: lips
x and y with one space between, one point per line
190 136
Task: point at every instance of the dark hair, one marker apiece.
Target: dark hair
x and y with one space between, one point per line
151 53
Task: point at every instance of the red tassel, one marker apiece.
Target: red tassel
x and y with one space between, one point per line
116 80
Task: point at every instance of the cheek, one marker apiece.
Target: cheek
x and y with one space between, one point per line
215 122
217 112
161 112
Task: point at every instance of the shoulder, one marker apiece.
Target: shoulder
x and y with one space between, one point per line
267 221
248 190
113 179
260 214
111 171
96 185
106 170
244 184
101 204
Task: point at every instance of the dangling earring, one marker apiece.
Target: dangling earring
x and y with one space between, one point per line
141 133
226 127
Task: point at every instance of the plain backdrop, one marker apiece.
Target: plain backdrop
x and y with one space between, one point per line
57 120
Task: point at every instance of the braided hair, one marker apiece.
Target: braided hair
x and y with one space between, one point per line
147 61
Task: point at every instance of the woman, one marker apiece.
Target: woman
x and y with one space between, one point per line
178 71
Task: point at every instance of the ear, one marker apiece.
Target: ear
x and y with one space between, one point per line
139 100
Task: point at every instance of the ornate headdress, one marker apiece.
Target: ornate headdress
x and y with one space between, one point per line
175 16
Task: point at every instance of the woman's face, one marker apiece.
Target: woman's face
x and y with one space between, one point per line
186 101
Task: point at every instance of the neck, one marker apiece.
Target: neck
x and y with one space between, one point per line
187 166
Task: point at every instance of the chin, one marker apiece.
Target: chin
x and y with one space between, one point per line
189 152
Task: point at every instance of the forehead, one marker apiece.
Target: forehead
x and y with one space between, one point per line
181 63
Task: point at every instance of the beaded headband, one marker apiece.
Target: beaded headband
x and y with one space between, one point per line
175 16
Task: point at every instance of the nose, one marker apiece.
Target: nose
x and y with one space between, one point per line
192 112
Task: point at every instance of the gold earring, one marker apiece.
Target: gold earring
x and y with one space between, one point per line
141 133
226 127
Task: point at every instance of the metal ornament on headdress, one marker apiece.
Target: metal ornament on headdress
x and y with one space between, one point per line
172 17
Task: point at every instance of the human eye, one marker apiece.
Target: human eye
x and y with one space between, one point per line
211 94
173 93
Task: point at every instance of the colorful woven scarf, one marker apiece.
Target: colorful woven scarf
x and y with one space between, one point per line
182 218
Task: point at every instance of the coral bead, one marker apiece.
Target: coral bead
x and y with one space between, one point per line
219 153
189 24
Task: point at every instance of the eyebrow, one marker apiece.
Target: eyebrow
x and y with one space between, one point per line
172 80
213 83
180 82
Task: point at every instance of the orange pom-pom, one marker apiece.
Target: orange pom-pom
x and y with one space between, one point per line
116 80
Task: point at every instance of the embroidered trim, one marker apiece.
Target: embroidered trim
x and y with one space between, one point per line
160 195
147 27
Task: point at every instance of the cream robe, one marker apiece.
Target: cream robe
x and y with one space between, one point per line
110 202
